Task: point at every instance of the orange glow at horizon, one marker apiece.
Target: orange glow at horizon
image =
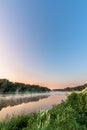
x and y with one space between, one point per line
51 85
14 71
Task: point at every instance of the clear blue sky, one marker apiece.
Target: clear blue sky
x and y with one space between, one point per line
44 41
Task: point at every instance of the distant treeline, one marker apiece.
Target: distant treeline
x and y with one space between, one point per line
77 88
7 86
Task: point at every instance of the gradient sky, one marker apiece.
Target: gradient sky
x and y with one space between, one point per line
44 42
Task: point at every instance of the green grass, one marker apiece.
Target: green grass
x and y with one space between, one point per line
69 115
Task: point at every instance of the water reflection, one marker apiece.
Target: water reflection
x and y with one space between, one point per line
11 100
42 103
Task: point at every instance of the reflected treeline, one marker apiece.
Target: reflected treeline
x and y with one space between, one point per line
15 101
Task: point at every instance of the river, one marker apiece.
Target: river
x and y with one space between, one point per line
17 104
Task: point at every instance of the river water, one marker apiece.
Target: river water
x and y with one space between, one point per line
13 105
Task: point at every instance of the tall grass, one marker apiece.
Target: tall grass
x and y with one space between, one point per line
69 115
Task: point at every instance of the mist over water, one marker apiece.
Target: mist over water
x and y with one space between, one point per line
17 104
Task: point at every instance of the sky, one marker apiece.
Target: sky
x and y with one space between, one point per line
44 42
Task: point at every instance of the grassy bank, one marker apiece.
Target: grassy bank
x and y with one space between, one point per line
69 115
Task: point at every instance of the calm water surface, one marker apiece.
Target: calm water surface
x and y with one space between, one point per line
13 105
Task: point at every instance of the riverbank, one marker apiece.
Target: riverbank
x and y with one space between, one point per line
70 114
